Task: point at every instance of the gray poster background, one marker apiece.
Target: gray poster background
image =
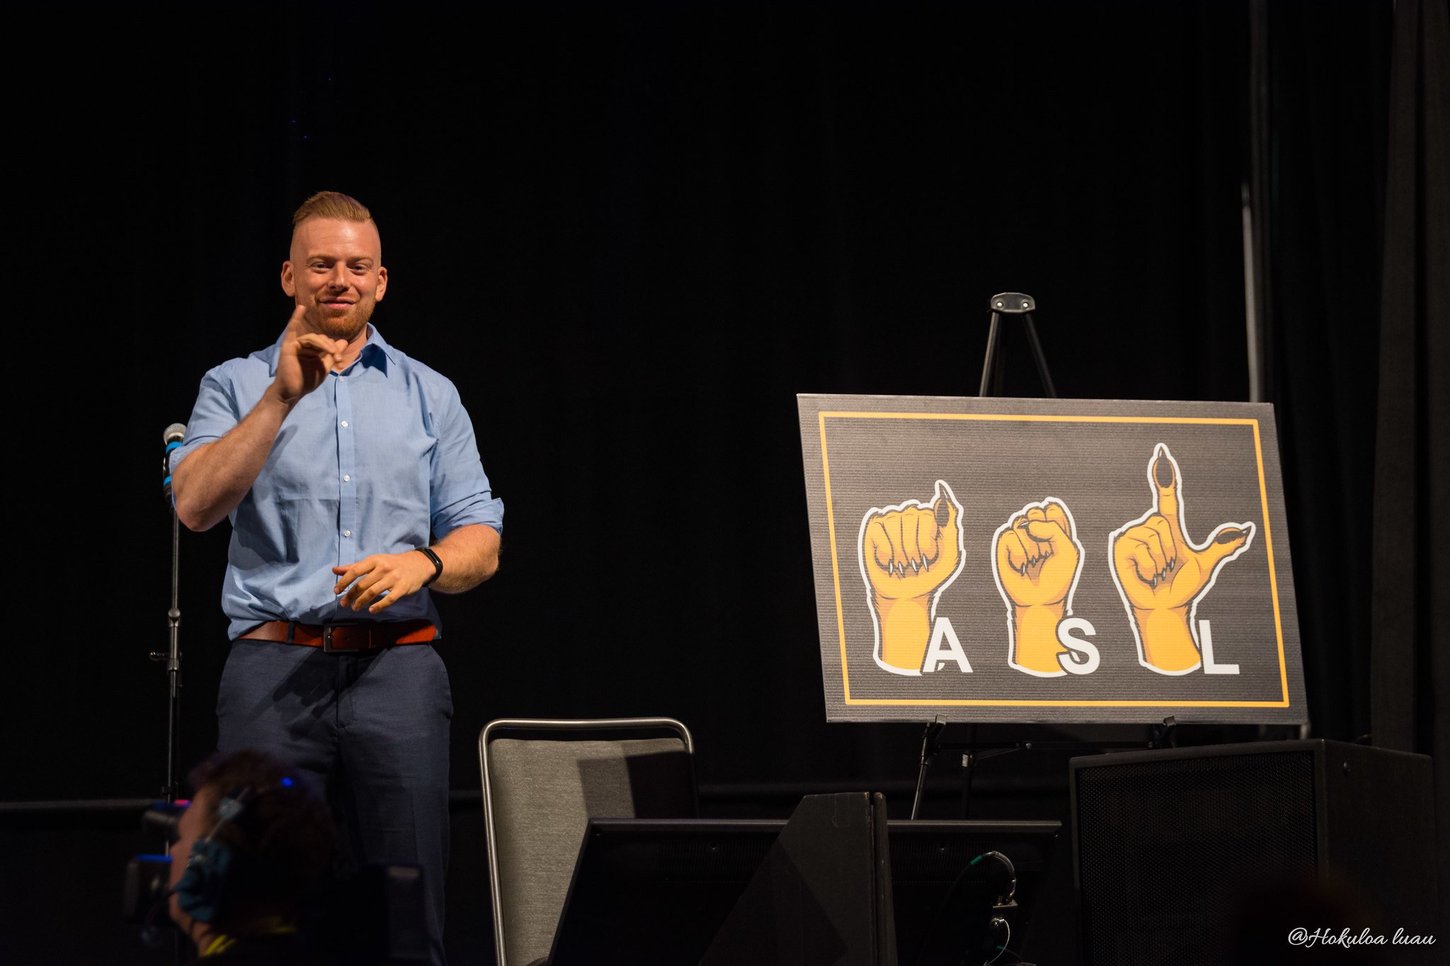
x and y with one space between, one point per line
887 454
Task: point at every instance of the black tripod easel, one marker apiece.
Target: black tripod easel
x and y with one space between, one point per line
993 370
171 657
972 749
993 374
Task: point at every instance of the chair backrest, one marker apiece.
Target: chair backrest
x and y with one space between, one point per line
543 780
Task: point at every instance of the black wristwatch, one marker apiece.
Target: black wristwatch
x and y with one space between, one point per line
437 564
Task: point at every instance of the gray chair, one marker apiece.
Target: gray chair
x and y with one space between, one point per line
542 782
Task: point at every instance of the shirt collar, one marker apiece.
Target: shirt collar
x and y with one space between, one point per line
375 352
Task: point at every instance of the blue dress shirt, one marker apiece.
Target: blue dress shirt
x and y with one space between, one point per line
380 458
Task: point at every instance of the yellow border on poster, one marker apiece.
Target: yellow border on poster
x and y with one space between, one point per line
1283 702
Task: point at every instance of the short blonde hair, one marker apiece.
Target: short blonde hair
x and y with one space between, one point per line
331 204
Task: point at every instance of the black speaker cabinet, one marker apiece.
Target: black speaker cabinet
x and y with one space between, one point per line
1215 854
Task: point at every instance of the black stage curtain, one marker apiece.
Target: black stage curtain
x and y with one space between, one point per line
632 233
1328 69
1411 665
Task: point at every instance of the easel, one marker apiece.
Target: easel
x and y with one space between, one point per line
1012 303
1161 735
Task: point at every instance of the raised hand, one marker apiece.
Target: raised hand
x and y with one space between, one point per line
1038 561
1162 575
305 359
909 554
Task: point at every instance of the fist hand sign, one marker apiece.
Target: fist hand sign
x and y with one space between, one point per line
1038 559
909 554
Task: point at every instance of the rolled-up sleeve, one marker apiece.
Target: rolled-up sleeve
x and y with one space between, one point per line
212 416
460 492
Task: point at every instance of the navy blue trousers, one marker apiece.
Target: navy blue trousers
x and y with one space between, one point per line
371 730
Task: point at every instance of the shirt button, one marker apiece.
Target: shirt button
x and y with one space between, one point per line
347 533
344 424
346 478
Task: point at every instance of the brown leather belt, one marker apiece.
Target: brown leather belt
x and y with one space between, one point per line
344 637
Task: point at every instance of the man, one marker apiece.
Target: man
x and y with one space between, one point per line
353 483
251 851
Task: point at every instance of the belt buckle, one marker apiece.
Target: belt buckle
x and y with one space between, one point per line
327 646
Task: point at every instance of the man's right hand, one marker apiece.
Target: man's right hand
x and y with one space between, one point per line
305 360
212 480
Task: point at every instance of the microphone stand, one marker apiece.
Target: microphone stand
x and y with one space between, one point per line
171 790
173 671
172 657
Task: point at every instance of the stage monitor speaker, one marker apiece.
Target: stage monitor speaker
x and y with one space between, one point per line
1215 854
822 895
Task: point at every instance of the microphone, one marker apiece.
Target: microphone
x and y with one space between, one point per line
171 437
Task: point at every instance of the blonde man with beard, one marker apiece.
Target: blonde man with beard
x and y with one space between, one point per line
351 477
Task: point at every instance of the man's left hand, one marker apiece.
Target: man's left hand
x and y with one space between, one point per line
376 583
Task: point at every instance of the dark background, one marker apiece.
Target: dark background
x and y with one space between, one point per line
631 233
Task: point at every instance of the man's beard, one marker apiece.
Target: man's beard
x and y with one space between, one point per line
347 326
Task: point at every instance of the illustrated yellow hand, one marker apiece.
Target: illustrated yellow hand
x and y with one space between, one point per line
1038 562
1162 575
909 554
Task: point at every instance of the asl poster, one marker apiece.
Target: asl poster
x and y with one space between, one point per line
1044 560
